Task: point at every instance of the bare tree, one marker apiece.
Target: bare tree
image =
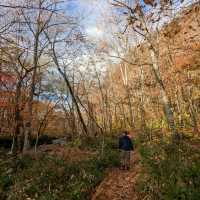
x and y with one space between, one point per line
140 23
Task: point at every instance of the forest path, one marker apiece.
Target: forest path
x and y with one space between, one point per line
119 184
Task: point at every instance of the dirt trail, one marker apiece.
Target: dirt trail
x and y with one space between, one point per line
119 184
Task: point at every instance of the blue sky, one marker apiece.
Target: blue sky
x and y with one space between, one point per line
99 19
91 14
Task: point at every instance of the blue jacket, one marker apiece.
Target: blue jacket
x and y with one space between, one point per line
125 143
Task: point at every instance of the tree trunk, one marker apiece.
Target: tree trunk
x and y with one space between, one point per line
142 109
28 126
130 108
165 100
17 119
191 110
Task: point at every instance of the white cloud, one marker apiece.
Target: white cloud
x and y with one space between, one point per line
94 32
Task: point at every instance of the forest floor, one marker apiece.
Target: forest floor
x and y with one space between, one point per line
55 172
69 154
120 184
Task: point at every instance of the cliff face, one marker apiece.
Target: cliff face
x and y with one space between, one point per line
183 38
178 45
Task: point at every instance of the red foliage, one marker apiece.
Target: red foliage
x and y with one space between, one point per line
7 84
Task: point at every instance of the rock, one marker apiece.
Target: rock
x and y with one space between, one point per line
60 141
9 171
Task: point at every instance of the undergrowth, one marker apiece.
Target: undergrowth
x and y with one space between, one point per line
50 178
170 172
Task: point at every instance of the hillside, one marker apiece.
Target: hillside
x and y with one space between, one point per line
178 45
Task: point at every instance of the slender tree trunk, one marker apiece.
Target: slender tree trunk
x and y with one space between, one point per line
75 101
130 107
192 113
70 90
142 109
179 101
166 102
124 116
28 126
191 110
17 118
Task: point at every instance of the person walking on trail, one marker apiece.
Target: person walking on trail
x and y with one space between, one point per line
125 146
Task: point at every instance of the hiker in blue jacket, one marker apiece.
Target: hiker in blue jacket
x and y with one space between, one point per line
125 146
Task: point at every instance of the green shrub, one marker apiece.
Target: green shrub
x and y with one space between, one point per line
170 171
51 178
5 181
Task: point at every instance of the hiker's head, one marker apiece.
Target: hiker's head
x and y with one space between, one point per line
125 132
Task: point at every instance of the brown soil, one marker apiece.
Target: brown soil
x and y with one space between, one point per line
120 184
67 153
